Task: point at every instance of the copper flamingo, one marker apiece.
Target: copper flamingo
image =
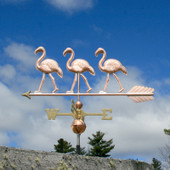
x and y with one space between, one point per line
110 66
47 66
78 66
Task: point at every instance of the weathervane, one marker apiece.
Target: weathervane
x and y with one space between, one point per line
78 66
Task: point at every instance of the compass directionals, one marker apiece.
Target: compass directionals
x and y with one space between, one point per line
78 66
78 114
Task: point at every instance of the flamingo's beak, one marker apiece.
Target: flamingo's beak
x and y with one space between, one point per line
64 53
35 52
96 53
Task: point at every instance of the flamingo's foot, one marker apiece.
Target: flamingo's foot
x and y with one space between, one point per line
89 90
102 92
38 91
121 90
56 89
69 91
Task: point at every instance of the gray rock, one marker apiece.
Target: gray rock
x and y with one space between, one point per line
21 159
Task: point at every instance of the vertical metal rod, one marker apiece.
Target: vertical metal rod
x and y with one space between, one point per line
78 144
78 75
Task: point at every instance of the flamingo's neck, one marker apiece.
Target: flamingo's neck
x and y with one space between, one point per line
69 61
40 59
102 60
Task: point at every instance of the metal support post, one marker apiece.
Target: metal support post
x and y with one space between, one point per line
78 144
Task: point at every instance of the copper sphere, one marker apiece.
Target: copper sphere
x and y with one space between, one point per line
78 126
79 104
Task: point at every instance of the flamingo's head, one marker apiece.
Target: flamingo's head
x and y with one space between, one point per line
39 49
67 50
99 51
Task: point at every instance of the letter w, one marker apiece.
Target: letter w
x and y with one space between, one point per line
51 113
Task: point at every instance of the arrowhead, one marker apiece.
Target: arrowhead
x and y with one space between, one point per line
27 94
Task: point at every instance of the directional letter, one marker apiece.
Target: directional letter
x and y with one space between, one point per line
105 114
51 113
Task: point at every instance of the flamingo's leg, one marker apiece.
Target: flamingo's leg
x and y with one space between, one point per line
107 81
41 84
53 80
86 81
117 78
74 82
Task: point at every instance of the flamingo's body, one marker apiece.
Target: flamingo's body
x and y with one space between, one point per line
110 66
47 66
78 66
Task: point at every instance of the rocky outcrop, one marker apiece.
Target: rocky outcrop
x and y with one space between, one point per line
20 159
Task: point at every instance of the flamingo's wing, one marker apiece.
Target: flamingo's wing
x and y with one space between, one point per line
112 65
49 65
80 65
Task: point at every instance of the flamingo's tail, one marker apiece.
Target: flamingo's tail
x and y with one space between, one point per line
59 72
91 70
123 69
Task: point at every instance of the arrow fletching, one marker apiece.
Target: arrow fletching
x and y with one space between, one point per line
141 94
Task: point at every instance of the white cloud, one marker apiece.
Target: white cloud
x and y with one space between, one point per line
28 119
4 138
7 73
23 54
71 6
136 129
22 68
167 81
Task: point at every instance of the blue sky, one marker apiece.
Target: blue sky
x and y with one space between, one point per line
134 32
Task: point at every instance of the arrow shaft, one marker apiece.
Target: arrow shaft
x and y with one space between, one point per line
91 94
